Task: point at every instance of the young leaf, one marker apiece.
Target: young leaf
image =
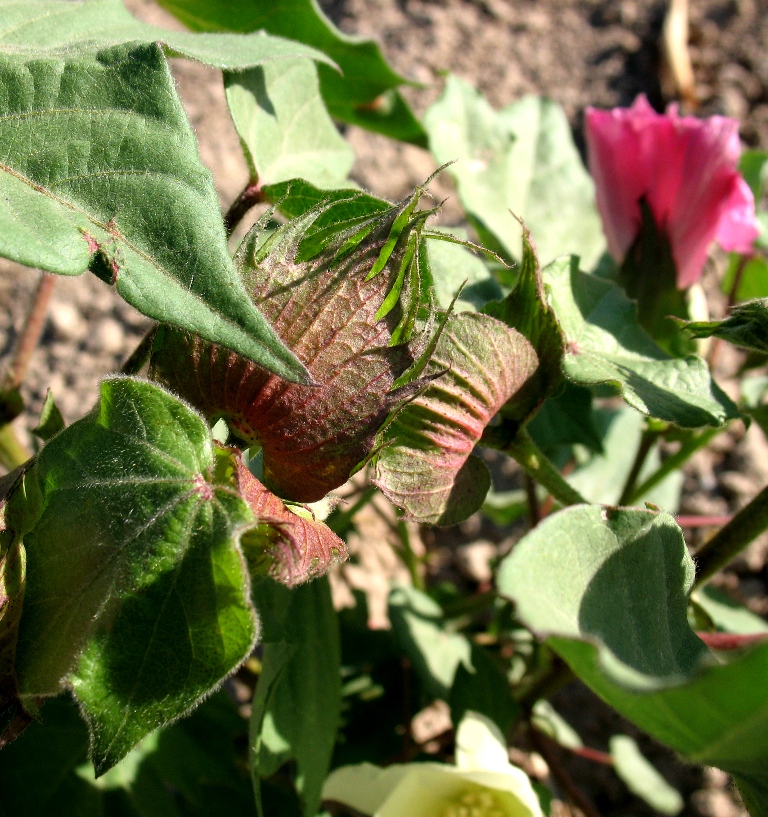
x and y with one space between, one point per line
327 308
289 545
92 25
608 588
425 464
51 422
363 94
297 704
135 583
606 345
284 126
641 777
100 171
520 159
746 326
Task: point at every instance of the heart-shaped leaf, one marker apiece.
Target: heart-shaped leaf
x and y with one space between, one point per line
100 170
346 312
608 589
135 582
425 464
284 126
606 345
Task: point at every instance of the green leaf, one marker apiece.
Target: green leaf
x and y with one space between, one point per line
753 279
425 465
149 610
100 171
363 94
641 777
567 419
420 628
191 768
608 589
296 708
726 615
605 345
746 326
51 422
66 25
753 166
284 126
520 159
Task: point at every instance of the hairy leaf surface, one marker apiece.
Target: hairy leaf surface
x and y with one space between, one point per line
135 583
606 345
329 310
425 464
608 588
99 170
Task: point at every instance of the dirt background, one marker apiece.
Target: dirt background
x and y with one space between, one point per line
579 52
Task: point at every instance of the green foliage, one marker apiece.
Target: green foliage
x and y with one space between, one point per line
284 127
364 93
520 160
605 345
642 778
150 610
296 707
746 326
608 589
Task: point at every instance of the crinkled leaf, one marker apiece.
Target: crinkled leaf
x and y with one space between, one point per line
297 704
284 126
99 170
426 465
606 345
363 94
746 326
608 588
526 310
328 309
520 159
289 547
66 25
135 584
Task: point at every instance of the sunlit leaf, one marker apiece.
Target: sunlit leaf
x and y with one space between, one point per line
135 584
746 326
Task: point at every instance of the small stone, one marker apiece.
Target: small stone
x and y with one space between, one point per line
108 337
67 322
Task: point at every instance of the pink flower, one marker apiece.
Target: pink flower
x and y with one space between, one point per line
685 169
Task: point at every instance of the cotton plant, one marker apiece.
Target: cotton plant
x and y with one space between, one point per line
164 558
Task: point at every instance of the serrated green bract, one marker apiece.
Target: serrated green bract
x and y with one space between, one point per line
363 94
425 465
520 159
606 345
297 704
99 169
136 587
352 310
746 326
284 126
608 589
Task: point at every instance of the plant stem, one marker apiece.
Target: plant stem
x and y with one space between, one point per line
249 197
647 442
670 464
730 540
538 467
30 333
140 354
12 452
532 501
410 559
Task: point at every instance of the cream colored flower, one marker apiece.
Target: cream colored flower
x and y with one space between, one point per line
483 783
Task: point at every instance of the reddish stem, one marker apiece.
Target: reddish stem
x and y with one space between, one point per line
250 196
703 521
729 641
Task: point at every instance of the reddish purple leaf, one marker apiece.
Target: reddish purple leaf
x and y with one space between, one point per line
325 310
286 546
425 465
